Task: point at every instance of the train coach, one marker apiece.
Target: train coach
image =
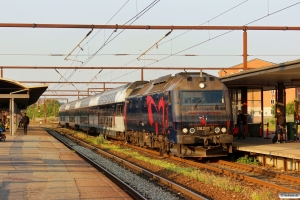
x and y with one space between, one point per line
188 115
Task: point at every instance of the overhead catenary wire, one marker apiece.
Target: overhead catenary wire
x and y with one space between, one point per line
67 81
188 31
57 85
212 38
224 33
95 76
92 38
176 55
226 11
155 44
78 45
132 19
123 30
108 41
107 22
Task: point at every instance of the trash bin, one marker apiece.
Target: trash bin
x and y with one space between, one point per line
253 129
290 130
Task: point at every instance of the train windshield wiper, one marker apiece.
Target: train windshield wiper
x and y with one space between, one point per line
195 106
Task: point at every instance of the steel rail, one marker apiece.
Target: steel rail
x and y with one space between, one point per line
148 27
127 188
261 171
222 171
140 170
219 171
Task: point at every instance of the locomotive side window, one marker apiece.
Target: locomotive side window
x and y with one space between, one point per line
130 103
169 98
145 102
137 103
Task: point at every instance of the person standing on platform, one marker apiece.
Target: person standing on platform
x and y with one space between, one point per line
25 122
2 127
241 121
280 125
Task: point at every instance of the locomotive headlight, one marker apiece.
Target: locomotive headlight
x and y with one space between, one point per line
202 85
217 130
223 130
185 130
192 130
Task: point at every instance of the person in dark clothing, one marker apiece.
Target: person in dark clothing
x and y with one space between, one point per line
241 121
280 125
2 127
25 122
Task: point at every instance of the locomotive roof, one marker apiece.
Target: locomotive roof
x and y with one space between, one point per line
168 82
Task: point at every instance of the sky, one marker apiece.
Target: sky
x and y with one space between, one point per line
214 48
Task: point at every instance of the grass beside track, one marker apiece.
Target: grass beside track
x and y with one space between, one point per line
208 178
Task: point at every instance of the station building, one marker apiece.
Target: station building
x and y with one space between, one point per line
254 110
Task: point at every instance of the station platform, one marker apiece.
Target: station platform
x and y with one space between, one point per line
280 155
37 166
289 149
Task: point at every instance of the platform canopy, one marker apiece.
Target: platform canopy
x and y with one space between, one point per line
23 95
267 78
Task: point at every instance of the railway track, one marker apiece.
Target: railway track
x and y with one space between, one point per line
280 186
255 176
185 192
284 183
271 177
251 174
126 187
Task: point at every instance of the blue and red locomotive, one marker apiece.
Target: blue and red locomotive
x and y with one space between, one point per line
188 115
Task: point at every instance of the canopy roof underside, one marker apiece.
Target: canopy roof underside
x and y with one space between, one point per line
8 87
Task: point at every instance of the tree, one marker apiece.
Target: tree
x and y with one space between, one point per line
289 109
32 110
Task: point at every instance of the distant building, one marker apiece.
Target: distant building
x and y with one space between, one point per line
254 97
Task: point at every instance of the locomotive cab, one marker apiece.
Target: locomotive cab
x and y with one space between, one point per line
188 115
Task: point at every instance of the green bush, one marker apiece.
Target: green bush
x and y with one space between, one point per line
247 160
100 139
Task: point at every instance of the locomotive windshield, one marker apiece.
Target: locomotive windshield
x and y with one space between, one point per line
195 98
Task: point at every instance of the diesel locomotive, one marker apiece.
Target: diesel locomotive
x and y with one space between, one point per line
187 115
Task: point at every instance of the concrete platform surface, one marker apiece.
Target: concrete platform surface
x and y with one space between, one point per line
37 166
290 149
